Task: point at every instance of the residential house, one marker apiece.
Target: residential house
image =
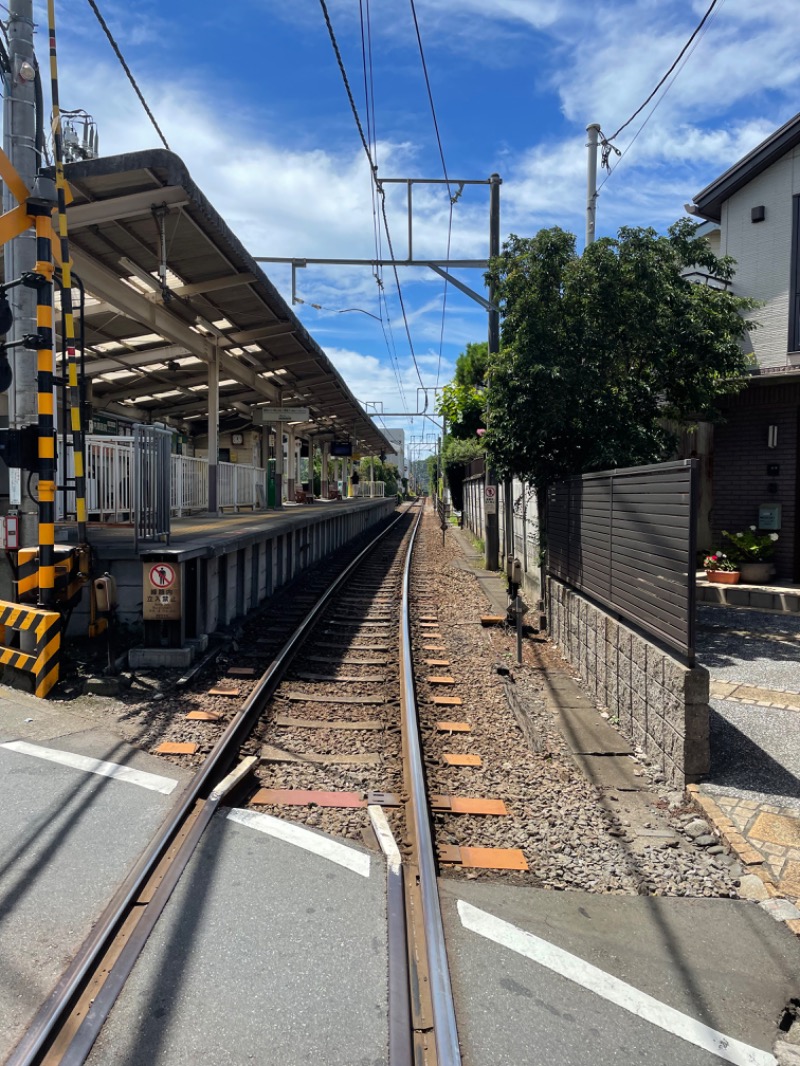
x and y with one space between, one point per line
753 215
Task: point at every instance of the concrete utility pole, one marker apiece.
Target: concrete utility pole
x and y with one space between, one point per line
591 182
491 529
19 404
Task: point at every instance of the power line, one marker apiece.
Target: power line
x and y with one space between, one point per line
127 70
638 110
606 142
446 178
372 132
373 170
346 81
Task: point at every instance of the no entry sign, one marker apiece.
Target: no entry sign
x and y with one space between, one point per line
161 592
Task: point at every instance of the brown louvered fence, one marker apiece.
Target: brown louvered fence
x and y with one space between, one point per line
627 539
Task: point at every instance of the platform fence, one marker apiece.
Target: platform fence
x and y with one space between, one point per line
369 489
110 478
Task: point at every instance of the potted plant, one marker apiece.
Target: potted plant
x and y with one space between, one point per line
754 552
721 570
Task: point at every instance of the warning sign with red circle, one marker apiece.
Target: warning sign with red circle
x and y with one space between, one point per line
162 575
162 592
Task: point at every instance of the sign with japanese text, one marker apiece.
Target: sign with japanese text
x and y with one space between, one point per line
162 592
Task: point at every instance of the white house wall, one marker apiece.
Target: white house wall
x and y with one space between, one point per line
763 252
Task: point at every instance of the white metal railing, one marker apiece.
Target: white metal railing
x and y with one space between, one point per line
239 485
189 485
109 477
108 466
370 489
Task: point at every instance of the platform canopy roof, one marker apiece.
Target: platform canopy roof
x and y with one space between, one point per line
168 285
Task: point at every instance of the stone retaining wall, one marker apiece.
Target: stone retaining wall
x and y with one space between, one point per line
654 700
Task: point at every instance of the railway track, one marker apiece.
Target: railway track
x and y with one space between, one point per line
327 735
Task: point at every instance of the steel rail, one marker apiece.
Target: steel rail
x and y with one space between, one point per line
56 1008
444 1016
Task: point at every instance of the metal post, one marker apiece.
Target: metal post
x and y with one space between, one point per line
591 182
491 531
19 131
213 432
19 406
66 294
47 452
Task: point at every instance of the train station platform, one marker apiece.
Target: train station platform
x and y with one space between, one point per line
216 568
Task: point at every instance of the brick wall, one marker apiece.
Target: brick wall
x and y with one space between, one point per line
658 703
740 464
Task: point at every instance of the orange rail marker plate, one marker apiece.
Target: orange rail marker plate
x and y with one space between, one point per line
447 701
429 625
301 797
204 716
440 680
436 662
224 690
170 747
453 727
493 620
463 760
434 647
468 805
484 858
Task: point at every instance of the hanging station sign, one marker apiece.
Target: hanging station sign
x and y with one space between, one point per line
341 449
283 414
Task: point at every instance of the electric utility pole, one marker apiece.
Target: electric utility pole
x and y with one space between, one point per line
18 406
491 529
591 182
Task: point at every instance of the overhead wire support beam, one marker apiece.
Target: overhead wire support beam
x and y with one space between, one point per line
464 264
485 304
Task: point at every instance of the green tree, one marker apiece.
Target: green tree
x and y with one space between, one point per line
599 351
463 400
456 456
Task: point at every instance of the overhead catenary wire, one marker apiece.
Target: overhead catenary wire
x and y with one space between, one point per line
373 171
372 135
446 178
127 69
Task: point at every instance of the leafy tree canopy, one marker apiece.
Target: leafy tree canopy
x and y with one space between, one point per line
599 351
463 402
456 455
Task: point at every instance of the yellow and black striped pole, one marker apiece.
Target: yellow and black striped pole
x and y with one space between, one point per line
66 291
45 405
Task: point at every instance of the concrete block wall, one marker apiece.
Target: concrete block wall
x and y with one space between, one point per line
659 704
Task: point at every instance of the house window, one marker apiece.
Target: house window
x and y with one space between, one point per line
794 283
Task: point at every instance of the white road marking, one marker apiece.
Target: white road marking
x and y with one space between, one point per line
383 831
164 785
611 988
357 861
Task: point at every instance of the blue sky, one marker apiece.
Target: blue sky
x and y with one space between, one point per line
250 96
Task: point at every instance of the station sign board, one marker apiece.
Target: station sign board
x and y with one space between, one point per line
341 448
283 414
162 592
